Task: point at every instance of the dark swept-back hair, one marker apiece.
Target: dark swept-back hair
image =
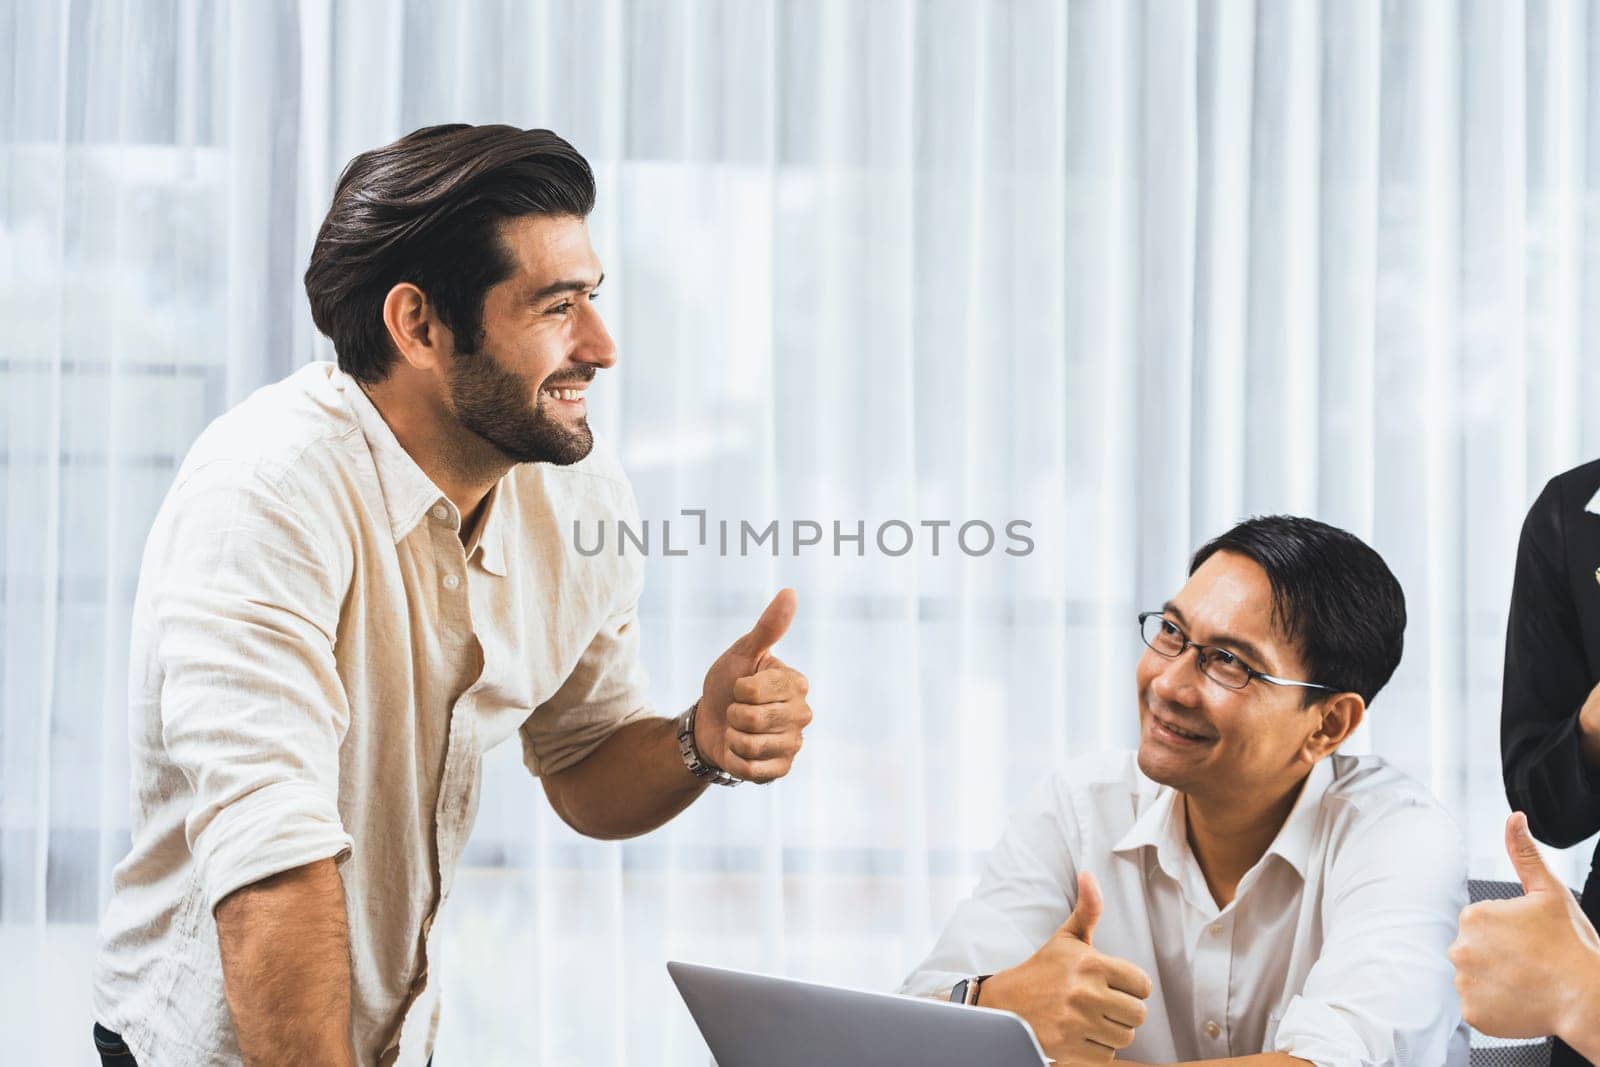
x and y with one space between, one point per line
426 210
1333 597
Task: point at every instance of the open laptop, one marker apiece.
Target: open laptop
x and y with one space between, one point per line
755 1020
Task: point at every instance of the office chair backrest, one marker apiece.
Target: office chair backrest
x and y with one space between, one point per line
1510 1054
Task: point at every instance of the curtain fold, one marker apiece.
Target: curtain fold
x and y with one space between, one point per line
901 271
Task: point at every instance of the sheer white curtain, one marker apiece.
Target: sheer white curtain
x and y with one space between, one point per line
1123 271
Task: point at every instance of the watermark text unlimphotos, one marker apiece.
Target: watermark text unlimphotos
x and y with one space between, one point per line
741 537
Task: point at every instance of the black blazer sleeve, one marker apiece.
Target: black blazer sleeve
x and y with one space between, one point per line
1547 678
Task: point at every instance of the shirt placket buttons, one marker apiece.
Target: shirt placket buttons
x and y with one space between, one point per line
1212 967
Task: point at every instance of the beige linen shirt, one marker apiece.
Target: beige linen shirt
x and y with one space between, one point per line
318 665
1332 950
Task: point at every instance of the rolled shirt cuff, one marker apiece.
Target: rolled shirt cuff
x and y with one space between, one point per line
1316 1032
274 829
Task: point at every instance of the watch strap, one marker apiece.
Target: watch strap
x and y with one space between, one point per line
966 991
698 765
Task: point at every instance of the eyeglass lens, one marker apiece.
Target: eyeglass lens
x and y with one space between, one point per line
1161 634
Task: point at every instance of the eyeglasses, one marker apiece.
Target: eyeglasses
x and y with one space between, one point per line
1218 664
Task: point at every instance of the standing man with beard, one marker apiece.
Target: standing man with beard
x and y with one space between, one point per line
359 583
1235 891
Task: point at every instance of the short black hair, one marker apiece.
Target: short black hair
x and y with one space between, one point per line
1333 597
427 210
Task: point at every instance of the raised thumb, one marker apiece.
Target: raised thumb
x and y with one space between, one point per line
1086 913
1525 857
773 624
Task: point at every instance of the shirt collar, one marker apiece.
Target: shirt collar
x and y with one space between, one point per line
1159 826
408 493
489 538
1162 826
1298 832
407 490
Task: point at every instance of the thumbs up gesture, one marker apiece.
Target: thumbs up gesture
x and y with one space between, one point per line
1083 1005
1522 965
753 705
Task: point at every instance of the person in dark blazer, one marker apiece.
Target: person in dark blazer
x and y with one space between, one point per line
1550 706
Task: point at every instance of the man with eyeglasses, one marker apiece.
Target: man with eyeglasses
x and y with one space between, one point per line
1236 891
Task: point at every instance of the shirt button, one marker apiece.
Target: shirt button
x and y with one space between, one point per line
1212 1029
451 581
440 512
1216 928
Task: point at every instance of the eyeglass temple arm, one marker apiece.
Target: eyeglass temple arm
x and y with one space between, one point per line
1290 681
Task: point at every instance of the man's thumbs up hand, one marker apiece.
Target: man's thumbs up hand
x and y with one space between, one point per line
770 628
1519 962
1086 913
752 704
1525 857
1083 1005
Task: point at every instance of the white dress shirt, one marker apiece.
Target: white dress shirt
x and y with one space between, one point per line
317 666
1332 950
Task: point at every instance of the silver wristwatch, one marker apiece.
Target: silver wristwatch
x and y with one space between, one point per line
699 766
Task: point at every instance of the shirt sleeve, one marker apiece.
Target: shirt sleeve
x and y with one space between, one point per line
1545 684
1382 992
605 691
1027 890
253 711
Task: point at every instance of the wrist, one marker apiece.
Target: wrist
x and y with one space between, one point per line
703 746
1589 740
690 750
994 991
967 990
1578 1023
1589 715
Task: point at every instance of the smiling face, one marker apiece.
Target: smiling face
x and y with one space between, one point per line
522 389
1208 741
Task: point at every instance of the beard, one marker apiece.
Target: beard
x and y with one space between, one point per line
492 403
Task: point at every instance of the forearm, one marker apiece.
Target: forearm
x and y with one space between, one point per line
634 782
1550 775
1582 1028
285 948
1586 1039
1264 1059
